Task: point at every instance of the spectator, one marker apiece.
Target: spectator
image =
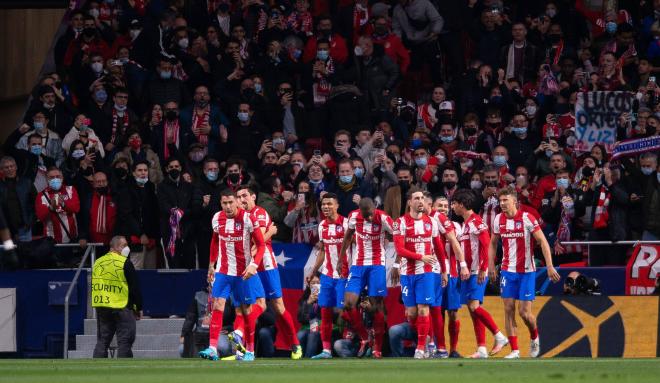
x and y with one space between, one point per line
205 203
348 188
165 87
392 44
275 201
246 134
205 122
32 162
51 142
651 202
236 176
336 47
304 216
17 196
546 182
56 207
168 139
309 316
138 216
520 59
136 151
98 212
81 128
518 143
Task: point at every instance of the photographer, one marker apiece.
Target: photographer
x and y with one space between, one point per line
579 284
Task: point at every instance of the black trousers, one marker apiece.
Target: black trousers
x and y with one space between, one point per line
203 248
110 322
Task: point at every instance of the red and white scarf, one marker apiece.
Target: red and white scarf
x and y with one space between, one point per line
602 215
175 230
101 214
170 128
197 123
322 86
490 210
115 121
300 22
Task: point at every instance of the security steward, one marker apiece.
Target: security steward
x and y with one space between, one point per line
116 297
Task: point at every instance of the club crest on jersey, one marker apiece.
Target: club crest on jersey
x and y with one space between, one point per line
376 227
339 228
239 227
518 225
395 226
427 226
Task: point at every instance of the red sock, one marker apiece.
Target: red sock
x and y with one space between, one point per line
486 319
513 341
423 324
357 324
454 329
250 325
533 333
379 330
289 327
239 324
438 327
479 330
326 327
214 327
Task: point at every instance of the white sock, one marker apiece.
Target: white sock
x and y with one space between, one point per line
499 336
326 350
482 350
214 349
239 333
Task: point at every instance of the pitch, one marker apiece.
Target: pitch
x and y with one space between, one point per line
335 370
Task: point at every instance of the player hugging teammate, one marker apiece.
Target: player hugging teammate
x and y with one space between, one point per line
440 264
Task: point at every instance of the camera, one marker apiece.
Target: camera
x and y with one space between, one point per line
581 285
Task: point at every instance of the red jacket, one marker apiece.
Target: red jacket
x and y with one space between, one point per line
545 185
338 50
95 46
395 50
69 207
102 218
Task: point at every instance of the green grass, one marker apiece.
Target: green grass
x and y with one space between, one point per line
336 370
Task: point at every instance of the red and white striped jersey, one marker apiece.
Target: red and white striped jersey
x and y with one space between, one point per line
517 241
490 209
67 198
232 242
451 264
474 241
260 215
331 237
444 226
370 237
418 236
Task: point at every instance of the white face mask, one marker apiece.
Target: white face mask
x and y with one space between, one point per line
126 251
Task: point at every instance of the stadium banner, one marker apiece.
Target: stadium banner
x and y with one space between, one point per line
8 320
581 326
596 115
642 270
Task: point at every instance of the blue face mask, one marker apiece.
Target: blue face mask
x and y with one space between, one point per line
322 55
243 117
610 27
562 183
212 176
415 143
496 99
446 139
519 131
421 162
55 183
359 172
38 124
166 75
36 150
499 160
101 95
345 179
258 87
647 171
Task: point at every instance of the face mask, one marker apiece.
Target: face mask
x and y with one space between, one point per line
123 60
97 67
296 53
135 143
415 143
610 27
490 184
421 162
587 171
101 95
103 190
183 43
522 179
120 108
568 205
166 74
475 184
234 178
345 179
496 99
358 51
449 184
94 12
48 106
298 164
446 139
243 116
470 131
325 32
549 153
519 131
322 55
126 251
551 12
380 31
530 110
174 174
38 125
78 154
55 183
469 163
212 176
315 182
141 180
441 159
278 141
89 32
562 183
404 185
359 172
571 140
36 150
171 115
647 171
201 104
134 33
499 160
197 156
258 87
120 172
554 39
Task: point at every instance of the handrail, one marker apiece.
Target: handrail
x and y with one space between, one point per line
93 245
66 300
605 243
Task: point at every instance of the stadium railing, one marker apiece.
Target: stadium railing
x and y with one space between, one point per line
588 244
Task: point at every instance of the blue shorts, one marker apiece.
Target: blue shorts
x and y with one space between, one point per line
418 289
270 280
438 290
332 292
518 286
451 294
241 292
473 291
373 277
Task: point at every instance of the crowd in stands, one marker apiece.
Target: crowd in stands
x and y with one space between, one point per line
156 106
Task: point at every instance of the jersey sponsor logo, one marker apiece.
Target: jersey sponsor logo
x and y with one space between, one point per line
418 239
513 235
230 238
366 237
333 241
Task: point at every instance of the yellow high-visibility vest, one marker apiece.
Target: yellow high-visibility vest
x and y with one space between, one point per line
109 287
